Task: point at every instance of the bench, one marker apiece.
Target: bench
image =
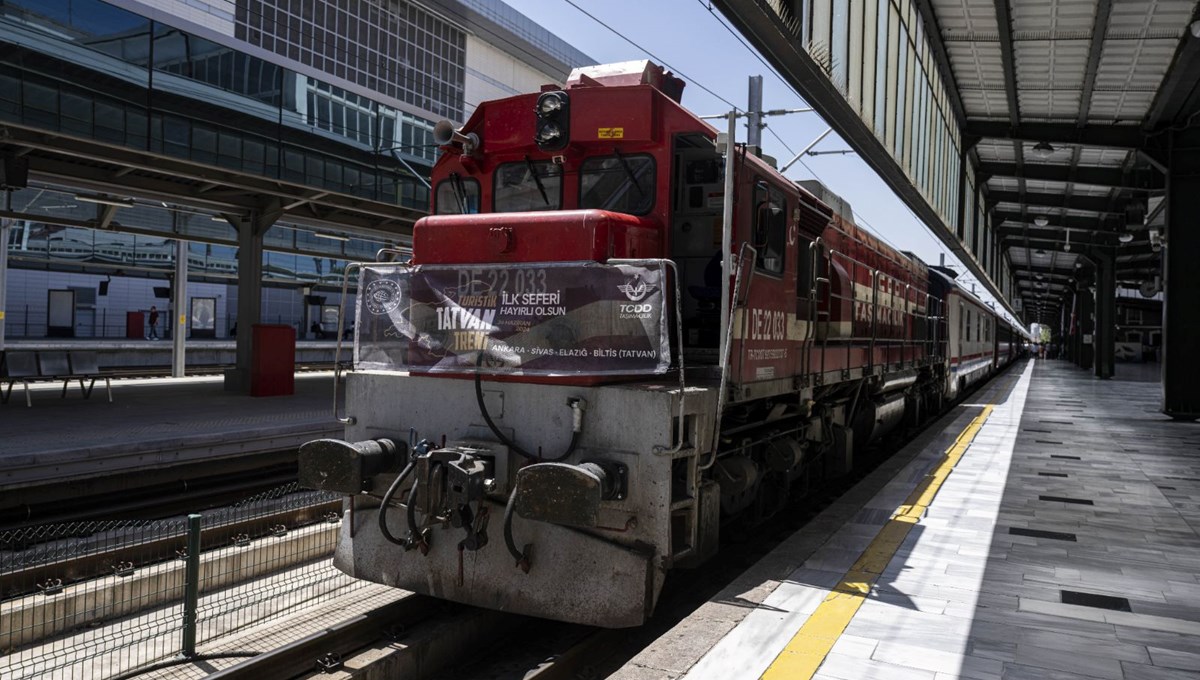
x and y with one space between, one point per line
26 367
18 367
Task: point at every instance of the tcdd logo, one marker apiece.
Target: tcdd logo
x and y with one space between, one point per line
382 296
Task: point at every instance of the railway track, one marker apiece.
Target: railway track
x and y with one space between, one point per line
325 651
190 488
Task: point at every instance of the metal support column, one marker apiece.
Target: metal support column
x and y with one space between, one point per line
1073 329
5 229
754 124
1087 328
251 229
1106 314
179 310
191 587
1181 313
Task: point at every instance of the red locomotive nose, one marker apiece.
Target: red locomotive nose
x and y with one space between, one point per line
561 236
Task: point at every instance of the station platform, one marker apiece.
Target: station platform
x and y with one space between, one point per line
64 445
1047 528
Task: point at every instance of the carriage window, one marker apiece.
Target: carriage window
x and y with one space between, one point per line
528 185
457 196
618 183
770 227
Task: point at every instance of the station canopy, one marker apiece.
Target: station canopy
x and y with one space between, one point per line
1029 134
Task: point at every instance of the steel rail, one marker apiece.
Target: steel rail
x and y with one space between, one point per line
323 651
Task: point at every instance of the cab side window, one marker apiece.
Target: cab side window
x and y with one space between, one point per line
770 227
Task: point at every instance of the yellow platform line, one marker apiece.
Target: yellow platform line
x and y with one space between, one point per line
808 648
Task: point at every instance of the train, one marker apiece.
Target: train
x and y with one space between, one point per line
585 373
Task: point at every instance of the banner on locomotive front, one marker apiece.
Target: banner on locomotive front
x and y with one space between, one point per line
548 319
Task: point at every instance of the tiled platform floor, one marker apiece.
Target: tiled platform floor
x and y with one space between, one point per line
1093 461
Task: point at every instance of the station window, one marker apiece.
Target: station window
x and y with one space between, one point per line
528 185
457 196
618 183
770 227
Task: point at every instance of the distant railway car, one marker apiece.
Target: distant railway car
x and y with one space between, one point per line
585 373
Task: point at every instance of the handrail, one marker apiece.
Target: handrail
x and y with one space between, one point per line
679 439
395 251
874 319
813 306
724 384
337 352
828 255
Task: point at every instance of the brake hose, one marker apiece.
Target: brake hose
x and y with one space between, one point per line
521 558
387 499
505 440
411 514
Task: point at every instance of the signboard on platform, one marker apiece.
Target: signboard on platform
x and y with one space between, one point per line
571 318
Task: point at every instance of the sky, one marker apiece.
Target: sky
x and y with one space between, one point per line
700 46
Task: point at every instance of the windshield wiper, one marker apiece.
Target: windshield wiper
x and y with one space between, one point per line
537 180
629 172
460 192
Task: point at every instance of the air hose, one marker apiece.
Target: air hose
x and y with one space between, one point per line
577 406
577 429
411 514
519 555
387 499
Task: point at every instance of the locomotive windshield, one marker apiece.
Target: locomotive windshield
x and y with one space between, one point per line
528 185
457 196
618 183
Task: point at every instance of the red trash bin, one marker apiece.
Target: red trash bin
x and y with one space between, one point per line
135 325
273 362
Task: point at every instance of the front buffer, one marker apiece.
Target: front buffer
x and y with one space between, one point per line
586 539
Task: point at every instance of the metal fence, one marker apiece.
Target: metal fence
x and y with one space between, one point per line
113 599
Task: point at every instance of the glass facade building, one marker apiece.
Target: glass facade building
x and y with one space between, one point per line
330 95
402 51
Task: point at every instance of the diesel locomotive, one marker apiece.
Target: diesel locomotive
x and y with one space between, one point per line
585 373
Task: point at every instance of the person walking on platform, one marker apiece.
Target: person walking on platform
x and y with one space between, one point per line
153 323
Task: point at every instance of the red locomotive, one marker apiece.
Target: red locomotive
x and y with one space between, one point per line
574 384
